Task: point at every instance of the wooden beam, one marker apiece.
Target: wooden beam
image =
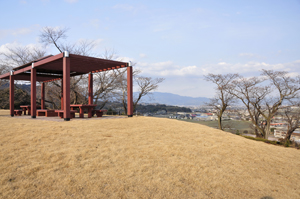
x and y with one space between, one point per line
66 87
42 95
5 76
11 95
47 60
33 93
90 88
62 94
129 92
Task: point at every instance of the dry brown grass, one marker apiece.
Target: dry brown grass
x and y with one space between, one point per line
139 158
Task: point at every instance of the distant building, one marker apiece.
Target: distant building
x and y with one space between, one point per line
277 124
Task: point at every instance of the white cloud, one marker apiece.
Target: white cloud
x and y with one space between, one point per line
71 1
168 68
293 74
4 47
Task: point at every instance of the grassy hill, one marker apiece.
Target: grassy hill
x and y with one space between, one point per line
139 157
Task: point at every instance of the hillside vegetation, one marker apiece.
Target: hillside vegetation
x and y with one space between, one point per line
139 157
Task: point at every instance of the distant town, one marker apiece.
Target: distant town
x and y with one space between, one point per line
236 119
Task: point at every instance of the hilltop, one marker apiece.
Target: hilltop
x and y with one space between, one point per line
139 157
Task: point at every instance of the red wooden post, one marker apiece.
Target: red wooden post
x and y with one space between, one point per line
66 85
90 88
43 95
33 91
62 95
81 112
129 92
11 94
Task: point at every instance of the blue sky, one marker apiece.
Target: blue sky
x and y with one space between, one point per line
178 40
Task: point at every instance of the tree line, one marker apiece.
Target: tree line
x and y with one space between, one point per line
265 96
107 85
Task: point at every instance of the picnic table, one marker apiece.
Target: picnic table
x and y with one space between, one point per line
28 108
61 113
81 107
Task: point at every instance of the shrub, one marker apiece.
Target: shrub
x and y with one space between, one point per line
110 111
245 132
287 143
237 132
262 140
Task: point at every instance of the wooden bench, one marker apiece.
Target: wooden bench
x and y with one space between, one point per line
99 113
46 112
18 112
61 113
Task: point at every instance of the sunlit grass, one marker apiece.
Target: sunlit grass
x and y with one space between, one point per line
139 157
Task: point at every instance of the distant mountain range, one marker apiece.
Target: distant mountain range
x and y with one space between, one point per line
173 99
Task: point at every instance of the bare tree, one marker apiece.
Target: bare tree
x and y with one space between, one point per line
20 55
291 114
3 69
145 86
264 100
50 35
284 88
223 98
54 36
17 56
250 93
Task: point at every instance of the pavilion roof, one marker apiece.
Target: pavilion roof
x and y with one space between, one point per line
50 68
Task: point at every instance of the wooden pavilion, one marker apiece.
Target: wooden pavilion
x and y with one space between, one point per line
63 66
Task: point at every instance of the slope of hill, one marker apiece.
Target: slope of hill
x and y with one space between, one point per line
139 157
174 99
